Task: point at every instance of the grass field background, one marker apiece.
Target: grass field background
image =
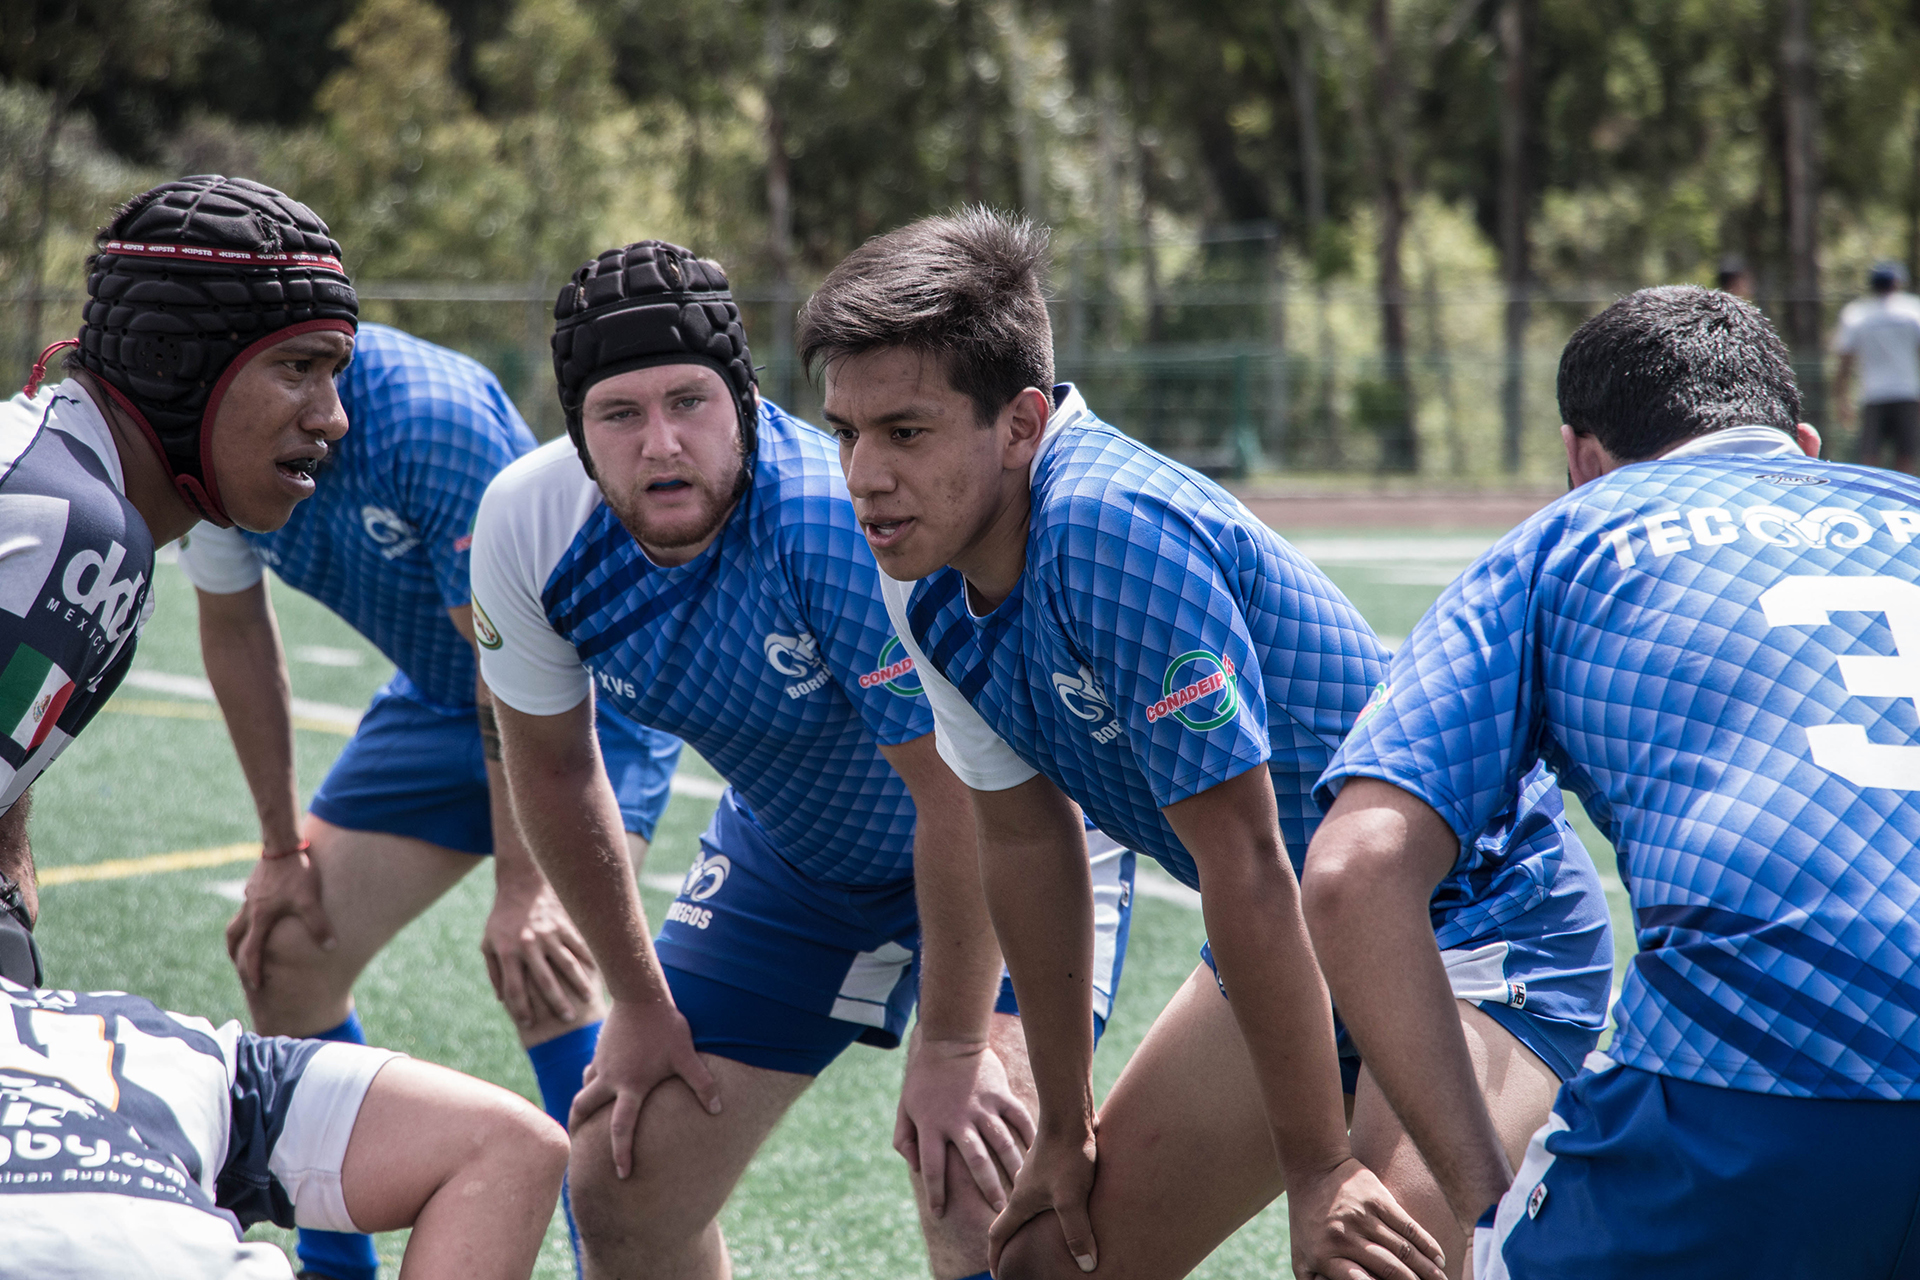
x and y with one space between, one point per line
156 774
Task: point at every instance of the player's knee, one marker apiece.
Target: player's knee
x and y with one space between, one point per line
544 1143
1037 1252
291 950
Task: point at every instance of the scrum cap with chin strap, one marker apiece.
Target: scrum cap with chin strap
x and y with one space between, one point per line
187 284
651 303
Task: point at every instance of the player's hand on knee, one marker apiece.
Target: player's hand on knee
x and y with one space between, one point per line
288 885
957 1093
1057 1175
642 1046
539 964
1347 1226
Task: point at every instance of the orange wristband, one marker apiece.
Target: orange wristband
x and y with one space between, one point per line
268 855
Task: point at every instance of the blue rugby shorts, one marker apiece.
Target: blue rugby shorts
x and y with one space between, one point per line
781 971
1640 1176
416 769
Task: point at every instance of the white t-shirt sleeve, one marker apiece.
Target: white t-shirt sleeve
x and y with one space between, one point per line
528 517
218 561
977 755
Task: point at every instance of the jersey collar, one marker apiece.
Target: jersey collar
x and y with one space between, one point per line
1069 409
1757 441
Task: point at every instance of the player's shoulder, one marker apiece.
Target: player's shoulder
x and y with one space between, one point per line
550 477
68 411
800 503
1094 484
533 511
401 389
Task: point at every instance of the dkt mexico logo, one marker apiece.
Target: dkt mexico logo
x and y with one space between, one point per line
1198 691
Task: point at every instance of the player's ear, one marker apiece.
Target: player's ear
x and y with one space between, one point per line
1808 438
1587 458
1026 418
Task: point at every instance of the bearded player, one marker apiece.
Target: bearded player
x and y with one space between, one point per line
690 558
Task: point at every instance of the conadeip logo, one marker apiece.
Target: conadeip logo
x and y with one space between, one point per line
896 673
1199 691
483 629
1381 692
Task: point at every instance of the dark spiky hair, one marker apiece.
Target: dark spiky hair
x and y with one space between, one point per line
967 288
1664 365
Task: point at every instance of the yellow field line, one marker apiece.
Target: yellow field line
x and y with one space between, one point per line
125 868
197 711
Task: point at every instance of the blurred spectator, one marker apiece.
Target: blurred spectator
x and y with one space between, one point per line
1880 334
1734 278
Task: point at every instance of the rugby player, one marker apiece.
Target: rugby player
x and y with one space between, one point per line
202 389
690 558
1711 638
140 1144
415 798
1041 565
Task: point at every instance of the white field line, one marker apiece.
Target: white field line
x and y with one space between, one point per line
1390 552
346 719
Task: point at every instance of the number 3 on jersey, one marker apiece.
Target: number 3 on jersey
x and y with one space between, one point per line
1805 601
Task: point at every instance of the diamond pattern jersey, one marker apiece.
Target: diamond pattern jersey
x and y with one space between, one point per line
1718 654
384 540
1162 640
771 652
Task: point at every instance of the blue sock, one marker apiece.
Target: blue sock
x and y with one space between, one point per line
558 1065
339 1255
979 1275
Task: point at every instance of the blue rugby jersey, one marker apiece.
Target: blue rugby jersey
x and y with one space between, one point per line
384 540
1160 641
1716 651
770 652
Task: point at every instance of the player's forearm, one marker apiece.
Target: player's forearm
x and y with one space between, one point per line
1376 947
1370 875
571 824
959 956
240 647
1252 910
513 862
1039 892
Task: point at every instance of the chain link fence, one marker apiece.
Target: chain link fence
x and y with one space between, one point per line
1246 373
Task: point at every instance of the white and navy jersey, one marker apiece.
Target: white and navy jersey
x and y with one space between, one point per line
76 577
770 651
135 1142
1161 641
384 540
1717 651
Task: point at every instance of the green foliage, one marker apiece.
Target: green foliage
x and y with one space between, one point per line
497 143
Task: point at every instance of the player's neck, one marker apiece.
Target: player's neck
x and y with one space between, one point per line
148 486
993 562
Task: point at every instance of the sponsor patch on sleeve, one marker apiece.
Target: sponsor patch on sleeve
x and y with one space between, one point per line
1198 691
483 629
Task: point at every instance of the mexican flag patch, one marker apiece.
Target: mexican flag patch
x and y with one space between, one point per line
33 692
